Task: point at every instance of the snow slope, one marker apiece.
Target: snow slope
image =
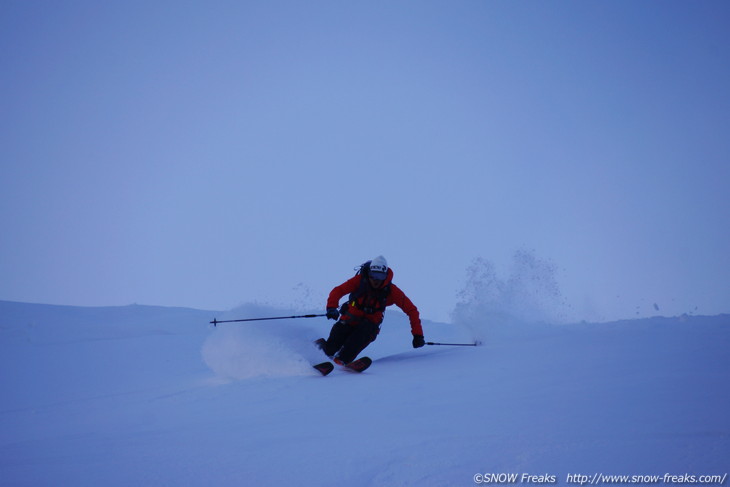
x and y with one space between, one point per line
149 396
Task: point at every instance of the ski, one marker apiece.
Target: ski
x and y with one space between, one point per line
358 365
324 368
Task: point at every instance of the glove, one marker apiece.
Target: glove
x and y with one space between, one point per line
418 341
332 314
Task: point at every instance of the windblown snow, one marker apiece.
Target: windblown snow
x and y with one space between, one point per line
151 396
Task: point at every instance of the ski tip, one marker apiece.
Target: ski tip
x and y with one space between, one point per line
359 365
324 368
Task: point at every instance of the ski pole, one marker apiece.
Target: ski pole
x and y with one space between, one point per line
456 344
215 321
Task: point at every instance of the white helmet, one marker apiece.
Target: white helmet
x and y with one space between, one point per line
379 268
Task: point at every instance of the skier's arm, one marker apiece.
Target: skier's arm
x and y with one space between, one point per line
333 301
400 299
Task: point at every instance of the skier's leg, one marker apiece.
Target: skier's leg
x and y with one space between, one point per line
362 335
338 334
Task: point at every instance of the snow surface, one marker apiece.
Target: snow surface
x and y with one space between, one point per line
150 396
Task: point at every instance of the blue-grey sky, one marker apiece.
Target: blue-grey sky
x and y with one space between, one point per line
212 153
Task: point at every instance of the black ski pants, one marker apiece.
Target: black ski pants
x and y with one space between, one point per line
350 338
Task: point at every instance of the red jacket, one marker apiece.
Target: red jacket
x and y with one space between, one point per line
369 305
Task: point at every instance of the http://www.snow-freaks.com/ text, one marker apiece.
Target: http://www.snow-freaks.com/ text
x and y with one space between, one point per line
599 479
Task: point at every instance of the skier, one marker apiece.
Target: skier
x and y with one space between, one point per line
358 321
